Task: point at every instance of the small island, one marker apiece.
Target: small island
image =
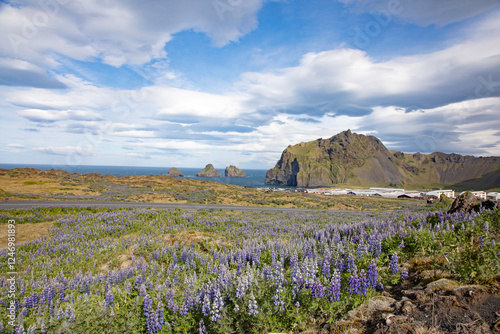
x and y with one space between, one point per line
208 171
233 171
174 172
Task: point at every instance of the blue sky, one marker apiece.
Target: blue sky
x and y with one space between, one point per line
191 82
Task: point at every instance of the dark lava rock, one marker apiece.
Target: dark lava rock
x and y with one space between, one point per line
468 202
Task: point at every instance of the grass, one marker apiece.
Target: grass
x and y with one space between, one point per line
27 184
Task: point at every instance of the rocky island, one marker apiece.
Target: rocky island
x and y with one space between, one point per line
174 172
233 171
208 171
351 159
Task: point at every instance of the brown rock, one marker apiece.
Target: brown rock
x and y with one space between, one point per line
373 307
442 284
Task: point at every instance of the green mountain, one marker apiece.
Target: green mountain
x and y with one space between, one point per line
350 159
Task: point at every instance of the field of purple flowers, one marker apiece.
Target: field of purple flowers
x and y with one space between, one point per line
173 271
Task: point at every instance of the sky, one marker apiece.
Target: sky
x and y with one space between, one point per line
185 83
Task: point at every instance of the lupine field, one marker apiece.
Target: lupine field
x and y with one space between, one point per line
173 271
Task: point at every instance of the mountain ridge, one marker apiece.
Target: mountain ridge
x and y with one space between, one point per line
351 159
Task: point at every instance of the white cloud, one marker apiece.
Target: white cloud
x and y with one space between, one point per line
458 127
118 32
174 101
334 80
136 155
39 115
65 150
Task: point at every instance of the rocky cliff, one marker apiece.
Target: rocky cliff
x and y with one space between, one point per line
208 171
351 159
233 171
174 172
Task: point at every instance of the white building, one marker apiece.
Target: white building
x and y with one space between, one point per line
493 195
479 194
388 190
438 193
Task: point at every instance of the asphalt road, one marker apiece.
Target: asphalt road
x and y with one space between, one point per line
4 205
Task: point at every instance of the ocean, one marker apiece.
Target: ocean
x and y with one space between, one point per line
255 177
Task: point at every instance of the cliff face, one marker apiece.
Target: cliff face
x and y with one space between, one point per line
208 171
356 160
233 171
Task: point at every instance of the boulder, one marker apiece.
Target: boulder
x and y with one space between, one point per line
208 171
442 284
468 202
373 307
233 171
174 172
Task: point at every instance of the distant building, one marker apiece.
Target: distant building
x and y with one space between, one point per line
479 194
390 190
438 193
493 195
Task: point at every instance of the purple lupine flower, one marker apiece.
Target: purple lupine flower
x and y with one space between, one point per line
363 282
335 287
153 324
325 268
160 313
205 307
394 264
402 244
252 306
142 290
217 305
372 274
20 329
351 267
353 283
360 250
202 329
379 287
404 274
60 313
278 300
71 317
109 298
340 264
317 289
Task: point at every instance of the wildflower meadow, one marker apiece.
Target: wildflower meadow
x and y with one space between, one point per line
173 271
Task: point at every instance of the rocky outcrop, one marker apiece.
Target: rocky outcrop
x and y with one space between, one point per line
468 202
351 159
208 171
442 307
174 172
233 171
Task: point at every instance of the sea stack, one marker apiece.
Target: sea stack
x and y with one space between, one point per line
208 171
174 172
233 171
